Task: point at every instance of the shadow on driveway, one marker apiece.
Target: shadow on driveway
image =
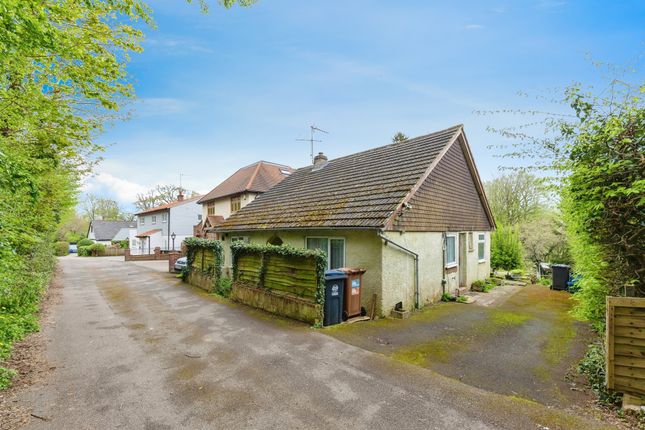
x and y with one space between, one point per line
525 347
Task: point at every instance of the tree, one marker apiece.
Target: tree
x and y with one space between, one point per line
516 197
98 208
160 195
399 137
506 248
544 240
73 228
594 154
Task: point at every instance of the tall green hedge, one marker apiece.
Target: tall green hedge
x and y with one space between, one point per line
214 270
240 249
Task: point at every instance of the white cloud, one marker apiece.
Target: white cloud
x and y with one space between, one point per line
107 185
473 27
178 45
159 106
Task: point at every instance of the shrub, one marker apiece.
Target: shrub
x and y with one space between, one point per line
506 248
84 242
61 248
224 287
593 366
83 251
94 250
483 285
123 244
447 297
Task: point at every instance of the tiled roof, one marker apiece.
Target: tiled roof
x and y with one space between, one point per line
357 191
106 230
258 177
169 205
149 232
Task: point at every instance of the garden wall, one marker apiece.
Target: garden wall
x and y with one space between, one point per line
280 279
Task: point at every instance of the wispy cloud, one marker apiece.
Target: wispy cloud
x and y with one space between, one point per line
159 106
178 45
473 27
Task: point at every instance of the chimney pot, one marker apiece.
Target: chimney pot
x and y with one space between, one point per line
180 196
319 159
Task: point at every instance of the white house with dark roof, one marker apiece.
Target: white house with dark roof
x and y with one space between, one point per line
413 214
105 232
166 226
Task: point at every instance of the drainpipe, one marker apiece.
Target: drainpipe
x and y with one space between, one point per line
416 264
443 263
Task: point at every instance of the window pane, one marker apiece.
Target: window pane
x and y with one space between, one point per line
337 251
317 243
481 250
450 250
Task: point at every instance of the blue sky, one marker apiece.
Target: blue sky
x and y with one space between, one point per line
221 90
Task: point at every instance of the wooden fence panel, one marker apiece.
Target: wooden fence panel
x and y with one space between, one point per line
625 344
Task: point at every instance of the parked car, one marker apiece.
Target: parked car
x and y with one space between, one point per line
73 249
181 264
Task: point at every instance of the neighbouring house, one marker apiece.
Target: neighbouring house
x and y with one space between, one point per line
166 226
105 232
237 191
413 214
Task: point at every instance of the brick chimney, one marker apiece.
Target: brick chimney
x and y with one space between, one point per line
320 159
180 196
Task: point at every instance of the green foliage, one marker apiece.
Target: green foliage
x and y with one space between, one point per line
461 299
447 297
240 248
516 198
224 288
506 248
61 249
593 366
214 271
483 285
94 250
546 280
123 244
85 242
6 375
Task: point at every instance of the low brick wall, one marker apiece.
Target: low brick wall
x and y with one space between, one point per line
277 302
172 259
146 257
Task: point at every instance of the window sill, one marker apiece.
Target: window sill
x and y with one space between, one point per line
451 265
481 261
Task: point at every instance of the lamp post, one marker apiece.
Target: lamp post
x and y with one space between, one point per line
173 236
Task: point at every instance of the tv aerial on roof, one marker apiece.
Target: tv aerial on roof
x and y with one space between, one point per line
311 140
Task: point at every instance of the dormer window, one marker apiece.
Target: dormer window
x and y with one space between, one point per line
236 203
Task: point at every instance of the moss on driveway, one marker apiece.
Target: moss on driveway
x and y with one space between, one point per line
525 347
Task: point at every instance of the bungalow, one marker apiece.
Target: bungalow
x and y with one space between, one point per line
166 226
413 214
237 191
105 232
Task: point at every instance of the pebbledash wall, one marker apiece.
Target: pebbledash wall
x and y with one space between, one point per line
390 272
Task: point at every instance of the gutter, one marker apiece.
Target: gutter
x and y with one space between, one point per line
416 263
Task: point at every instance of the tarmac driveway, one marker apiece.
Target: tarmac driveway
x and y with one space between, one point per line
136 348
526 346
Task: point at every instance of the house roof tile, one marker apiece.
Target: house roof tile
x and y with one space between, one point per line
258 177
107 230
356 191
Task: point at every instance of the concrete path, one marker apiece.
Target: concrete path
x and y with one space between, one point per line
135 348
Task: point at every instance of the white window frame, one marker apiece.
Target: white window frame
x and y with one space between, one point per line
244 239
153 219
481 238
164 217
329 239
142 220
445 251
